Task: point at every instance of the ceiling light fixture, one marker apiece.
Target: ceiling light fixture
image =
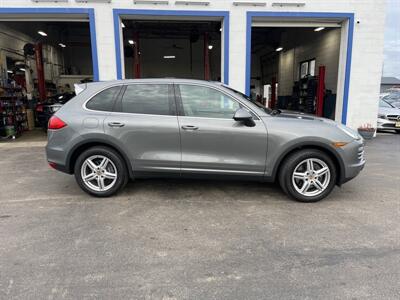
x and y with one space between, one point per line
122 25
278 49
22 69
9 71
210 47
42 33
169 56
131 42
319 28
62 45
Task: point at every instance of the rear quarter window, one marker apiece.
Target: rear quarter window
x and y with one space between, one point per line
104 101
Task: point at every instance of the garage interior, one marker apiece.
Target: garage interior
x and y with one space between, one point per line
296 68
40 61
172 48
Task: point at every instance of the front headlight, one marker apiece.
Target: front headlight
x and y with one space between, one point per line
382 116
350 132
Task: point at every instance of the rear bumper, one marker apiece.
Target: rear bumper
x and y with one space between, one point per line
58 167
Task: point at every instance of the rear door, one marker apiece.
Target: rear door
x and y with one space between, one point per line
212 142
145 122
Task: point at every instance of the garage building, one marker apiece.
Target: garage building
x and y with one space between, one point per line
315 57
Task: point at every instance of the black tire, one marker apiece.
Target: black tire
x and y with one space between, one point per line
288 166
116 159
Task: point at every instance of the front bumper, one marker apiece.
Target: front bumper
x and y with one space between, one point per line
385 124
353 157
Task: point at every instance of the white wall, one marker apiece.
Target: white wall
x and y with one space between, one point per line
368 40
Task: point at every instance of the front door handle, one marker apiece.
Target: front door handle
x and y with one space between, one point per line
189 127
116 124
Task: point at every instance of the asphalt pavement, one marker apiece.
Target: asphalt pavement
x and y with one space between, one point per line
191 239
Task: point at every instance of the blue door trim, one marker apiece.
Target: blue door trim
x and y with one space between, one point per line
118 12
47 10
345 16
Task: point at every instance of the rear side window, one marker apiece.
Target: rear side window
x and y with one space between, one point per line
151 99
104 101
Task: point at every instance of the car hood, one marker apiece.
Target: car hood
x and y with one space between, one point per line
303 116
389 111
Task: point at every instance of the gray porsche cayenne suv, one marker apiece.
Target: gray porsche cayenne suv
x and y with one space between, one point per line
115 131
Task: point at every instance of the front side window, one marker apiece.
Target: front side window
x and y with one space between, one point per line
146 99
200 101
104 101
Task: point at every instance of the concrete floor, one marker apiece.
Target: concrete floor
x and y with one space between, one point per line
171 239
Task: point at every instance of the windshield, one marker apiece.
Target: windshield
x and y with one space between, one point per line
384 104
393 97
266 109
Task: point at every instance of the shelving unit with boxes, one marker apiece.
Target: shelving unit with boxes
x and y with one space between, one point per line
13 117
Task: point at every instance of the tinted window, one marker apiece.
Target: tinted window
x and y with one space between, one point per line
199 101
104 100
146 99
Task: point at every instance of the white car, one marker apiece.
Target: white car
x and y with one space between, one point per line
388 117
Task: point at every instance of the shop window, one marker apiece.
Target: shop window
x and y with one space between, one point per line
307 68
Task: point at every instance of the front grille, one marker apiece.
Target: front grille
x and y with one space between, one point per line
393 117
388 125
360 153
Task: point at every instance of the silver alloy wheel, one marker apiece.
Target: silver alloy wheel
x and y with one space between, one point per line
311 177
99 173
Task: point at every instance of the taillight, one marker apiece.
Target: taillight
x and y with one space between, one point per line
53 165
56 123
39 108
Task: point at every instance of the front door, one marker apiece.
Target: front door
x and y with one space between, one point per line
211 141
144 121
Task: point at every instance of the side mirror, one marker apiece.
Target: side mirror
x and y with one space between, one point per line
242 115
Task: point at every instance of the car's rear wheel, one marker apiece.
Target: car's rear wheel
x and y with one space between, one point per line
100 171
308 175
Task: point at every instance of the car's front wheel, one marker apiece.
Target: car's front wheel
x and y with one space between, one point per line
100 171
308 175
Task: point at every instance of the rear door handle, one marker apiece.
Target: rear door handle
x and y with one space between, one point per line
189 127
116 124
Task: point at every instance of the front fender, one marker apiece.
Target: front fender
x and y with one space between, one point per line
276 156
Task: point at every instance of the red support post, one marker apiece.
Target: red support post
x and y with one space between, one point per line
273 92
40 71
320 91
136 58
206 58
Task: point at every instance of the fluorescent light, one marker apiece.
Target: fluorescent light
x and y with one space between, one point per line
278 49
9 71
42 33
210 47
122 25
62 45
319 28
131 42
169 56
22 69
